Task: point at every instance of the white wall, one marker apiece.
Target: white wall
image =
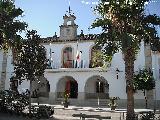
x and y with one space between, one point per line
9 67
117 87
156 73
57 49
140 58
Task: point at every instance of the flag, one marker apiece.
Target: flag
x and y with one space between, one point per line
78 56
159 73
64 56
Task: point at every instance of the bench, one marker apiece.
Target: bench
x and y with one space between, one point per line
83 116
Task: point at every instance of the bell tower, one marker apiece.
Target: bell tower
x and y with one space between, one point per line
68 31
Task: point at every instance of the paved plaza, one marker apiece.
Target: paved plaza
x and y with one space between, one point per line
61 113
66 114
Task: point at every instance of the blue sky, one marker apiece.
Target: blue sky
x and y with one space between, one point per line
46 16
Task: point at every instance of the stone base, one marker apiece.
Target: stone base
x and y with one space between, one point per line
82 101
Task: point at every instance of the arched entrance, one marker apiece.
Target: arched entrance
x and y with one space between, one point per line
96 86
67 84
40 87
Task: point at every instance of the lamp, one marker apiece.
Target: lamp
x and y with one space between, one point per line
39 82
117 72
99 84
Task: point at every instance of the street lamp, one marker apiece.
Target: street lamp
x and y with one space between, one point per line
39 82
117 72
99 84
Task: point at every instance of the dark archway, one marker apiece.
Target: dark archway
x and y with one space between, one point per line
67 84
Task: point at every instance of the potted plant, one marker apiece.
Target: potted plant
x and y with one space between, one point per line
112 104
66 97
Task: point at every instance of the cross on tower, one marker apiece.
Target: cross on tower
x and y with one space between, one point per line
69 10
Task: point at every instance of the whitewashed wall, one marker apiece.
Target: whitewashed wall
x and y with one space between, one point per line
156 73
9 67
117 87
58 47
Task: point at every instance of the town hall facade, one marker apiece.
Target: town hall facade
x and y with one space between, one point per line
71 69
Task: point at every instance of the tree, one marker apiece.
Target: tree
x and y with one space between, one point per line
9 23
31 61
144 80
9 26
124 25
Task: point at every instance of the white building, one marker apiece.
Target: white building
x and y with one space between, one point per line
75 74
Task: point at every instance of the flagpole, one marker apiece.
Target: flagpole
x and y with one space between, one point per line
77 52
50 56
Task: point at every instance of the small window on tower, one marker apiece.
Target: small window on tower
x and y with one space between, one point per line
69 23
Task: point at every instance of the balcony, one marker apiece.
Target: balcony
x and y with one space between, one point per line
67 64
72 64
99 69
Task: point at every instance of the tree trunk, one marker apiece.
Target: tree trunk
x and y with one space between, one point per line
3 73
129 57
30 93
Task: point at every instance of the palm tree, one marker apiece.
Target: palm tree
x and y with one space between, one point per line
9 26
124 26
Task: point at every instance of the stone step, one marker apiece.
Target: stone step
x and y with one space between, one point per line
85 102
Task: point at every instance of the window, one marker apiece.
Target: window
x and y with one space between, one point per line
69 22
67 57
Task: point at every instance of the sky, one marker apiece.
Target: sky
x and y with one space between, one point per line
46 16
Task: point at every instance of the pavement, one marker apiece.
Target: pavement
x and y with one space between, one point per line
61 113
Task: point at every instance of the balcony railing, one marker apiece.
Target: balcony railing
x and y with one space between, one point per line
67 64
71 64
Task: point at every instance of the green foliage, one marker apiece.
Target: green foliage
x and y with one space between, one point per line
97 59
112 101
100 60
148 116
144 80
9 24
66 96
31 61
124 25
